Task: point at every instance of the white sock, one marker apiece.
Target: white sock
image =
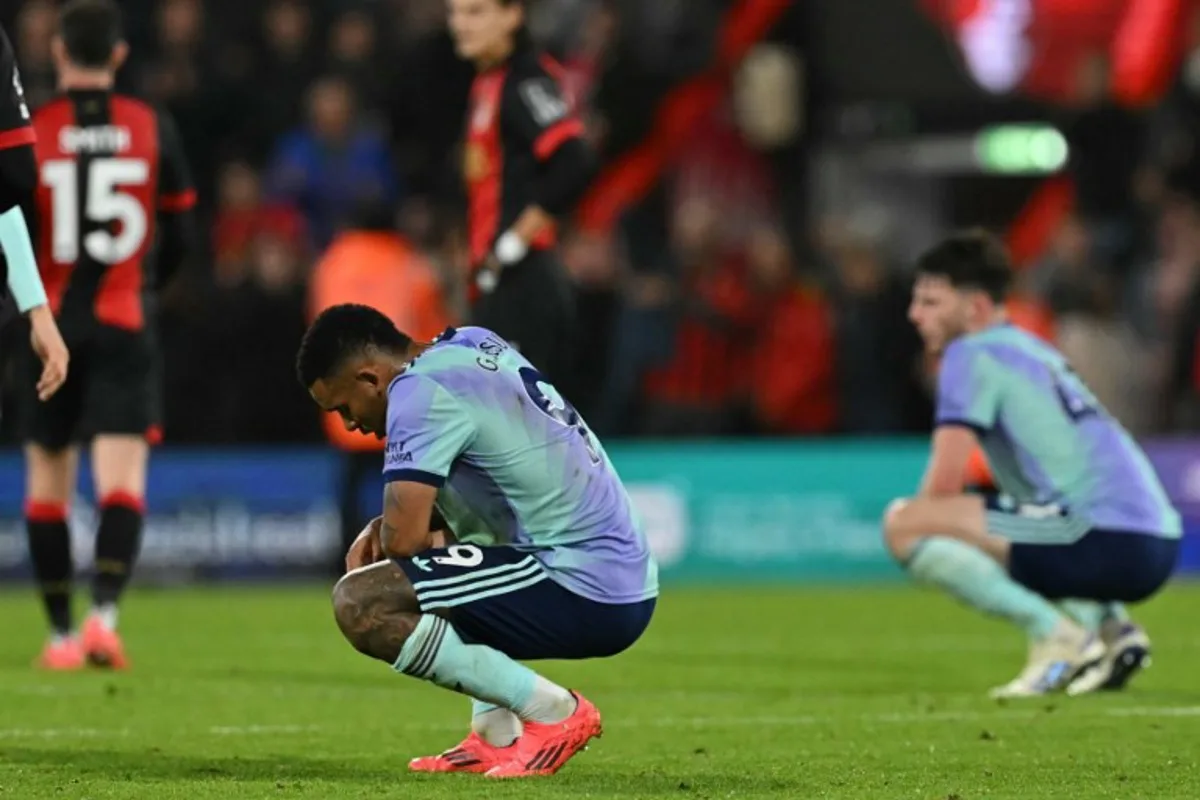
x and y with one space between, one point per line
497 726
549 703
107 614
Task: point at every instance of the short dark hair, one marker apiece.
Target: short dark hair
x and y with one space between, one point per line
971 259
343 331
91 31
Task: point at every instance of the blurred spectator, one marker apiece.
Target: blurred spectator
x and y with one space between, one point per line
200 88
1067 278
717 166
36 26
267 317
792 375
370 263
878 351
1175 300
693 393
428 85
592 264
334 163
352 56
1107 142
242 217
229 377
1177 122
285 62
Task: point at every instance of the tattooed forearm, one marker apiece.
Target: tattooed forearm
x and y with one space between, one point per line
393 513
407 507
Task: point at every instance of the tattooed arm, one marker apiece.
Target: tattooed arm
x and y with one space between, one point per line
407 507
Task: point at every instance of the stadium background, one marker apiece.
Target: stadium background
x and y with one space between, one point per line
768 171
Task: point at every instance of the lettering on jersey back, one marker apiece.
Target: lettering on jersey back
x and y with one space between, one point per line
97 139
492 350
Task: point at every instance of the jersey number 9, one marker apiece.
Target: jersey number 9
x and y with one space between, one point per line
555 406
107 204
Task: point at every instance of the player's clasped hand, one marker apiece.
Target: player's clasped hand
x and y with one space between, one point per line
367 548
51 349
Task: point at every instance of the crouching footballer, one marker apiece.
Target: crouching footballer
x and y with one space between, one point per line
1081 524
545 558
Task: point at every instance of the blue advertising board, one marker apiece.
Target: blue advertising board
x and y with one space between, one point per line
734 511
211 513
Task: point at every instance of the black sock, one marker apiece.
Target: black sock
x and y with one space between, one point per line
50 551
117 545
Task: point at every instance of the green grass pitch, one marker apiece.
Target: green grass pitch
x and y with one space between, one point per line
734 693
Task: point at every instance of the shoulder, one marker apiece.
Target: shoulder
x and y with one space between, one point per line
129 109
965 360
963 350
535 81
533 65
410 396
443 367
53 112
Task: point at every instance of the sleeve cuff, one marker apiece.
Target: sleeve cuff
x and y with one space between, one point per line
556 135
957 422
414 476
17 138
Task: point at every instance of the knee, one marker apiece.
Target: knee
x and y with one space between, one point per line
373 611
355 609
897 536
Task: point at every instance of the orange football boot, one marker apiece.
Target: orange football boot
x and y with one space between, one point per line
543 749
62 655
473 754
102 645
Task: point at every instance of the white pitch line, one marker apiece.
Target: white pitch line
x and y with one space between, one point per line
260 730
1149 712
915 717
61 733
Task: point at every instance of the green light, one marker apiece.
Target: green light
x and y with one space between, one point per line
1021 149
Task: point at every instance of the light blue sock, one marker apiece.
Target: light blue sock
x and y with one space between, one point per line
1116 612
1091 614
973 577
434 652
1087 613
479 708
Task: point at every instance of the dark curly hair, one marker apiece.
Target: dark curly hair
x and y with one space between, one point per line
341 332
972 259
91 31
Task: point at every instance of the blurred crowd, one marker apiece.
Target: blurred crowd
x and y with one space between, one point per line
717 310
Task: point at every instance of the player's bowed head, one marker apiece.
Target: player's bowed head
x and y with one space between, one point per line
961 286
347 360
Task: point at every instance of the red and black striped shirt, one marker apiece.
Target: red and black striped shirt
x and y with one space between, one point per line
108 166
518 119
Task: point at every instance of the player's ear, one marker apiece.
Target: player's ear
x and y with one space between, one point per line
120 53
516 14
58 51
